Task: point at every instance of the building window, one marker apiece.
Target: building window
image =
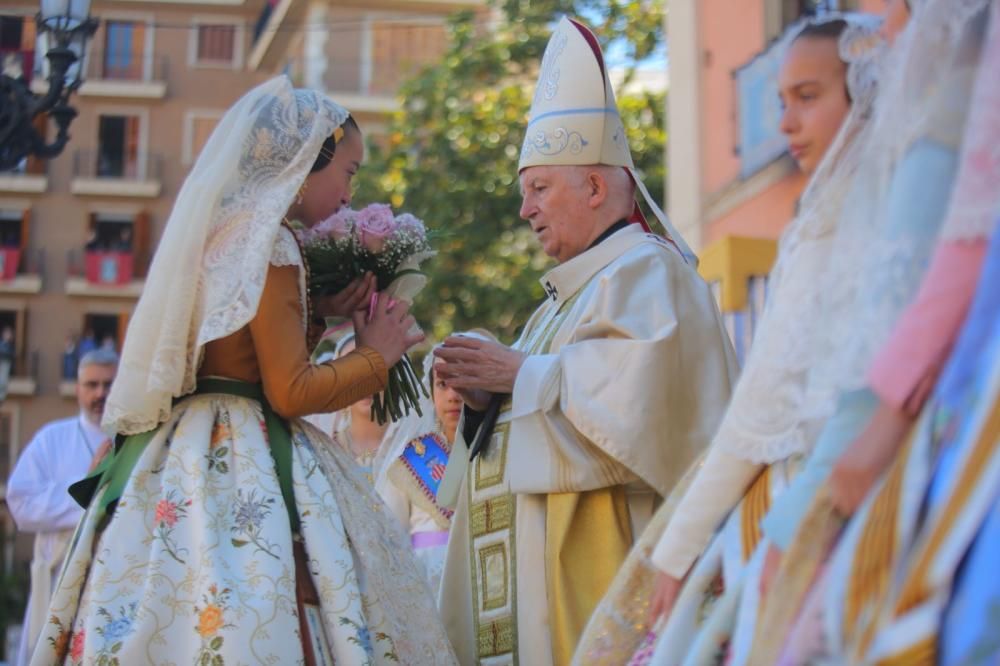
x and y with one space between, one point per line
102 330
117 248
216 43
198 126
17 46
11 228
399 49
124 51
13 339
13 242
118 146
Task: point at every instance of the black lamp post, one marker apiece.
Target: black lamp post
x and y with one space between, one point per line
69 24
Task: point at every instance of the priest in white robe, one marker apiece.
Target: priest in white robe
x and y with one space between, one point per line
614 388
60 454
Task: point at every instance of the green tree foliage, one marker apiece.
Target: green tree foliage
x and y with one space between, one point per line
451 155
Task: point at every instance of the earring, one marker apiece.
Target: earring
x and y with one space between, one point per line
302 191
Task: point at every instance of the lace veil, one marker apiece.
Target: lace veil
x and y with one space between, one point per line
925 95
975 202
764 420
208 274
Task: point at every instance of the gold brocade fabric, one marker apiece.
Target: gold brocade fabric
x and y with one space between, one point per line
620 622
596 523
492 524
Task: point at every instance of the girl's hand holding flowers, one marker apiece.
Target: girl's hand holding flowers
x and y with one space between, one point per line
355 296
388 329
358 258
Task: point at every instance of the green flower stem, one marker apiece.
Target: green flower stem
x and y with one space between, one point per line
416 381
401 394
409 389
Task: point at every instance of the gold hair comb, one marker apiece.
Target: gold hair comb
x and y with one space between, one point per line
338 135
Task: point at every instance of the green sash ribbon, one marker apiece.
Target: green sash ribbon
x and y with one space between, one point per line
116 468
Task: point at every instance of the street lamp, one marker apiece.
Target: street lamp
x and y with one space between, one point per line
69 24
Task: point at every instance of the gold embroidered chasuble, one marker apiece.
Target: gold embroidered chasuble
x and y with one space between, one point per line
628 373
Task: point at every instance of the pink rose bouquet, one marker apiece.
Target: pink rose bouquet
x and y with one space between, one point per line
352 243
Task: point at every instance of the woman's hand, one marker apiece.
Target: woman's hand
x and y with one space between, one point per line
867 458
664 597
344 303
102 451
387 330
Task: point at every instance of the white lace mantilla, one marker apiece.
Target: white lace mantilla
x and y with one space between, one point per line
210 267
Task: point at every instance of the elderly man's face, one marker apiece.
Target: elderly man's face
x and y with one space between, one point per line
92 387
556 206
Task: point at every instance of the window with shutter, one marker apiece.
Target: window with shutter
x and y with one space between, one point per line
202 130
216 44
118 146
400 49
124 50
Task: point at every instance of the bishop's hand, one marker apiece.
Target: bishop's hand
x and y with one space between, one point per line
475 368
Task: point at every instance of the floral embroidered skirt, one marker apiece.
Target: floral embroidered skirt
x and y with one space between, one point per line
197 564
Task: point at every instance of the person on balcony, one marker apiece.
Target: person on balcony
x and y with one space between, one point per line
88 343
70 358
7 342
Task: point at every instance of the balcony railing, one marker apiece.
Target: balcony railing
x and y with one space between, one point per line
29 166
104 264
32 262
107 173
96 164
25 365
23 378
108 74
345 85
103 271
16 261
21 270
127 66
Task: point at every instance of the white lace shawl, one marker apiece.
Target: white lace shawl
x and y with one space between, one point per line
208 274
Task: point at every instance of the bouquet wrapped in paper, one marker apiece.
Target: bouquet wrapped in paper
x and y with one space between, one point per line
373 240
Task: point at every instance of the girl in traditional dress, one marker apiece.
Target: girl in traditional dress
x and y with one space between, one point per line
941 51
225 529
827 84
831 127
412 472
